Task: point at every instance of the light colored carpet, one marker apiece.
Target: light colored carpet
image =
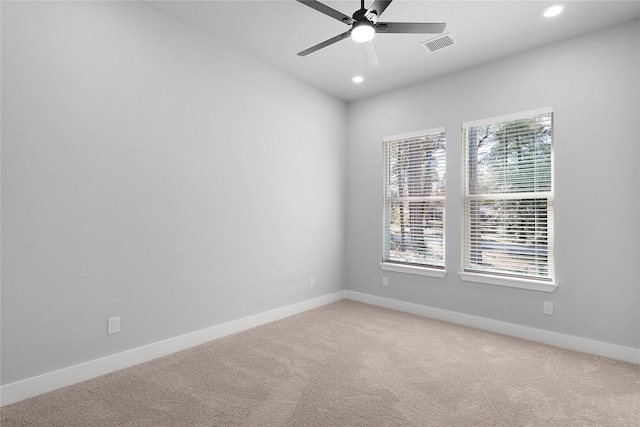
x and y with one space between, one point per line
351 364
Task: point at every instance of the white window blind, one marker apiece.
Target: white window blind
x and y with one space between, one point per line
414 196
508 196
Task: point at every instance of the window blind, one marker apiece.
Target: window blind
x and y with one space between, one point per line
508 196
414 196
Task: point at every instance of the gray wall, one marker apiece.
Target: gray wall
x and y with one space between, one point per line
593 84
152 173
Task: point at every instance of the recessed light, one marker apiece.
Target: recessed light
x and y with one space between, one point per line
553 10
357 79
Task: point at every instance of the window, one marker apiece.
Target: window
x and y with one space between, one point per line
414 196
508 201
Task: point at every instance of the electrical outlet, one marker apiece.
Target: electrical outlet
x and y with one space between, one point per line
547 308
113 325
385 281
312 282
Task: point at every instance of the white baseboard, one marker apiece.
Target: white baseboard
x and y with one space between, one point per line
50 381
584 345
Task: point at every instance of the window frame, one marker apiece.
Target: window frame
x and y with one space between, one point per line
407 267
547 284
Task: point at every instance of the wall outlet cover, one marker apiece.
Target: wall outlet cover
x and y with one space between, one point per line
113 325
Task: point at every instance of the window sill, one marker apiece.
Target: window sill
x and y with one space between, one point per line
512 282
410 269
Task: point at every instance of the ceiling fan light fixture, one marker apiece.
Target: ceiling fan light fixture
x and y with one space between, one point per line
362 32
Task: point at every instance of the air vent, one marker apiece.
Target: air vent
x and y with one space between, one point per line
439 42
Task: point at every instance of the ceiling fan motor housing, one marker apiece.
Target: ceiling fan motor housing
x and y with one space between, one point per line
363 29
363 15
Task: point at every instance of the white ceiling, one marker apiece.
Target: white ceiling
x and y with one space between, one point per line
274 31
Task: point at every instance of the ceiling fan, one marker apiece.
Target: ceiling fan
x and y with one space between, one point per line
364 25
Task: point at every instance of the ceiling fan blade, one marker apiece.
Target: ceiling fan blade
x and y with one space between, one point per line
328 11
379 6
370 54
410 27
325 43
